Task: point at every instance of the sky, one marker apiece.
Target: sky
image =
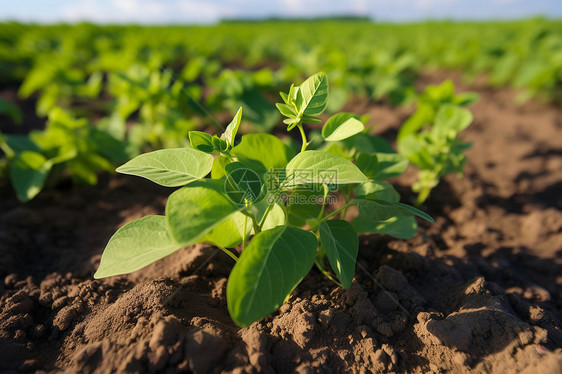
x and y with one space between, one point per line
211 11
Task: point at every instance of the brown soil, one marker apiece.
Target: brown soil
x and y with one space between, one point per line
478 290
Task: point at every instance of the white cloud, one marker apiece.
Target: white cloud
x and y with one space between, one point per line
136 7
201 10
432 4
359 6
143 11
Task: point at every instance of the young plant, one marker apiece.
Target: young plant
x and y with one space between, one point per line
429 138
161 102
232 89
59 82
67 145
266 199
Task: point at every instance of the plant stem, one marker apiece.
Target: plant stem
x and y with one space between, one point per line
325 272
303 135
344 212
326 191
346 197
337 211
257 228
232 255
244 237
269 208
229 156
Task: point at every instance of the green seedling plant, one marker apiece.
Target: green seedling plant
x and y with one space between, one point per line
161 102
59 83
264 199
233 89
67 146
430 140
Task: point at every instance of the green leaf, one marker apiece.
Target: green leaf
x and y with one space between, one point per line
450 120
466 98
136 245
28 173
336 149
219 145
341 244
232 129
291 123
376 190
292 95
368 144
401 227
58 117
276 216
258 110
380 210
308 119
341 126
262 152
367 163
416 149
424 115
196 209
14 144
390 165
170 167
268 270
109 146
285 97
312 95
201 141
65 153
219 165
319 167
229 233
304 206
286 110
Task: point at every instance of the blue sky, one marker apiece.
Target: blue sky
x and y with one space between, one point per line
209 11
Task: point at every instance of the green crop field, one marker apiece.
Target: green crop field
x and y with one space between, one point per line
132 88
329 195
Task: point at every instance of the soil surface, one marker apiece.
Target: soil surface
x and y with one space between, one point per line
480 290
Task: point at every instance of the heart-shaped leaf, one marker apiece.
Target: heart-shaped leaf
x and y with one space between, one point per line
312 95
341 126
375 190
197 208
380 210
136 245
268 270
341 244
28 173
319 167
201 141
262 152
401 227
170 167
229 233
